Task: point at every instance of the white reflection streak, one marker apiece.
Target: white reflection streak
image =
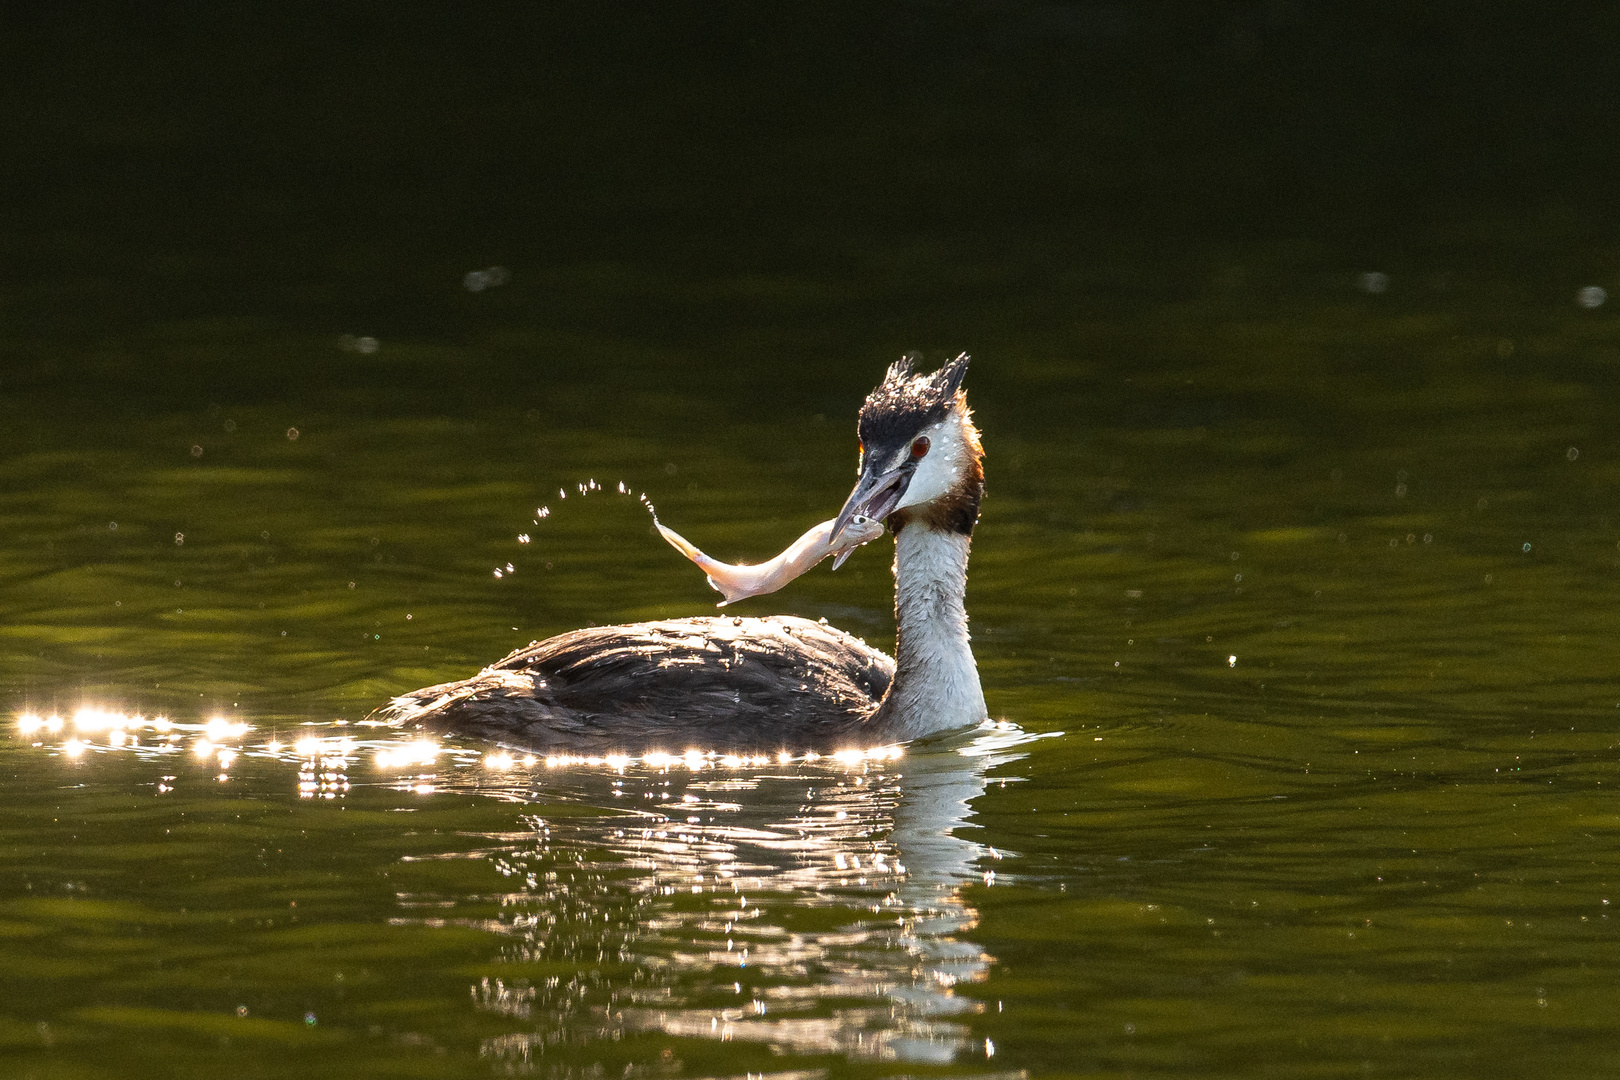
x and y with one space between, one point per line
323 766
219 729
214 743
868 836
118 729
407 755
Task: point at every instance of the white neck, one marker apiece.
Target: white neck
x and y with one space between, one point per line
936 682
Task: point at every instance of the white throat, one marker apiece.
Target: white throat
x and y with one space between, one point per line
936 682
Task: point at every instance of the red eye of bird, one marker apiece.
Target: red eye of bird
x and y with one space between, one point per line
919 446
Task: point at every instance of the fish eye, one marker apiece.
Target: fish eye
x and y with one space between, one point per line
919 447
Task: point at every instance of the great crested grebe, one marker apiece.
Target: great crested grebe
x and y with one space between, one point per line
778 683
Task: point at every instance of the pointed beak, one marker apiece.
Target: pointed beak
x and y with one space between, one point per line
875 496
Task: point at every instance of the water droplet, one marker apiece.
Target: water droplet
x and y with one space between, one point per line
292 434
1592 296
112 526
1572 453
196 451
488 278
1527 547
1373 282
179 538
1231 661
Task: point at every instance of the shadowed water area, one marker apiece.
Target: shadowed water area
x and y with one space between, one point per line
1292 595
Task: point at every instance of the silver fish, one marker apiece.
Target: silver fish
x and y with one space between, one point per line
740 582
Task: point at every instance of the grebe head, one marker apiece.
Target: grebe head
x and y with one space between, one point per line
920 455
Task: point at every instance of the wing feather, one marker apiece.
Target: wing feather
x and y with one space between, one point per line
712 683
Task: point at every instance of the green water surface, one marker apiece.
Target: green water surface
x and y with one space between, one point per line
1294 593
1323 662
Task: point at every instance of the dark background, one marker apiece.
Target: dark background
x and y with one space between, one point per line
713 183
1253 530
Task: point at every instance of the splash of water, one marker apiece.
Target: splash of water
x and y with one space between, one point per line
581 490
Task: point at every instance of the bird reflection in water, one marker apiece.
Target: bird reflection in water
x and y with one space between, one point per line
814 908
810 904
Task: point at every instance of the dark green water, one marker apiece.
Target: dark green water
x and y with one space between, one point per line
1326 662
1293 591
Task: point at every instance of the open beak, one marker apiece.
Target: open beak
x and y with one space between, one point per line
875 496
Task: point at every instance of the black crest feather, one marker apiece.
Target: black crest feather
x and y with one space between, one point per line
904 404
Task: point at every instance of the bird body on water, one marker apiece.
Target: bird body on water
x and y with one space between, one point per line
779 683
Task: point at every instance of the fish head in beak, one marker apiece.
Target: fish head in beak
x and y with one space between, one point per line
877 494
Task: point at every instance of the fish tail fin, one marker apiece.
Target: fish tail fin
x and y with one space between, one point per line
680 543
